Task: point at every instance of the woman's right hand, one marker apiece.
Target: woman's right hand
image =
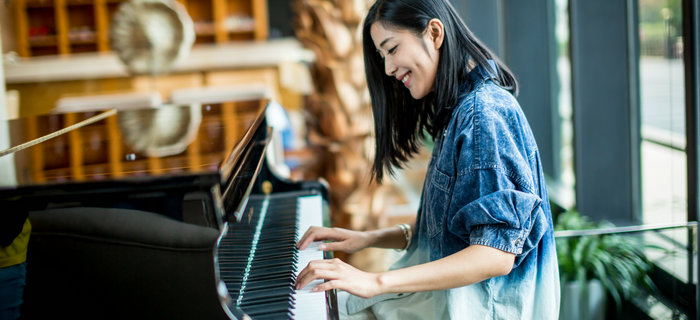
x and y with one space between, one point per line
343 239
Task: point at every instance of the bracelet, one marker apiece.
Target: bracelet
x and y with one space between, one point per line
407 233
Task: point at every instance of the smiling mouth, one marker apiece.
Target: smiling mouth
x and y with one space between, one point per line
406 78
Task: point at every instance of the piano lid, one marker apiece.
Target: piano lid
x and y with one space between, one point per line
170 140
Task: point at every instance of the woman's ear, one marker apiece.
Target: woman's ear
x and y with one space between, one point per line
436 32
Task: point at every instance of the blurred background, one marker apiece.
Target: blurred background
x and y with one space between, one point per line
610 89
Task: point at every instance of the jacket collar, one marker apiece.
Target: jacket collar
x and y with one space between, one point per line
479 72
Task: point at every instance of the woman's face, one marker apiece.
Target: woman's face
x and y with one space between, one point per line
409 59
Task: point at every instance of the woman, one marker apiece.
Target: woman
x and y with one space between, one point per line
483 245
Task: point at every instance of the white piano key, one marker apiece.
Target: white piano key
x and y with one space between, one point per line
308 303
310 213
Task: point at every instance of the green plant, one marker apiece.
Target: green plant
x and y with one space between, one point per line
617 261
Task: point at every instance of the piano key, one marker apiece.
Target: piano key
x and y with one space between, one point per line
275 316
281 308
253 295
268 287
307 302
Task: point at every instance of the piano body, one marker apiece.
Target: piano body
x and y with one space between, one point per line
193 224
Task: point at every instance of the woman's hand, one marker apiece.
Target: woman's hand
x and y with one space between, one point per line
341 276
345 240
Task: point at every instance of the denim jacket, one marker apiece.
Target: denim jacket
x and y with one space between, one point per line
485 186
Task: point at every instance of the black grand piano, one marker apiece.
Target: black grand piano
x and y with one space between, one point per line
173 212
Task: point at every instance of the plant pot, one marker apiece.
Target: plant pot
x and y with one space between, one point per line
582 303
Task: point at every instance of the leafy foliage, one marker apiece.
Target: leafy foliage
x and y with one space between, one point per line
617 261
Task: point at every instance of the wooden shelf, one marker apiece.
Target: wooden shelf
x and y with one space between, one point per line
43 41
57 175
241 29
80 2
40 4
204 28
87 38
216 21
98 151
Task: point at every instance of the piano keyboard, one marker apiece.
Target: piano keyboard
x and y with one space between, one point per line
259 262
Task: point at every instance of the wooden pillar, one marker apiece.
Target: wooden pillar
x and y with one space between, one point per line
3 99
339 108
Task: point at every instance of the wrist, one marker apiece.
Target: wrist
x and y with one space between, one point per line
372 238
407 233
383 282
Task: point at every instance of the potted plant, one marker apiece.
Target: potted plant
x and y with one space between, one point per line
591 266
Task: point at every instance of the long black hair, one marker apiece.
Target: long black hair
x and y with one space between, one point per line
399 120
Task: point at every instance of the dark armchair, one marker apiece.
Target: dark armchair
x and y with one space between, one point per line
103 263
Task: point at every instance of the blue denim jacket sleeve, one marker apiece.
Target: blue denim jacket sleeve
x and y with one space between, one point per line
495 202
502 219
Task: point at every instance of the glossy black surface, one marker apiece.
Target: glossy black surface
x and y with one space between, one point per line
171 140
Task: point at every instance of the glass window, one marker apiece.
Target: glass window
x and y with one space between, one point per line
662 111
662 103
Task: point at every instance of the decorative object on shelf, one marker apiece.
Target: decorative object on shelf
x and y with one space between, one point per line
151 36
164 131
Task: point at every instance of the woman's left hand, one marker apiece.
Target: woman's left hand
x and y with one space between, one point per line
341 276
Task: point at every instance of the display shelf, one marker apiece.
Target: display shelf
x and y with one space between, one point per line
39 4
43 41
46 27
80 2
99 150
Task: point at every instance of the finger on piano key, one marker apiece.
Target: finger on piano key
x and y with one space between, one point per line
307 301
311 253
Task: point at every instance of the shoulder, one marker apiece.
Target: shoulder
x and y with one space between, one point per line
489 111
490 123
487 101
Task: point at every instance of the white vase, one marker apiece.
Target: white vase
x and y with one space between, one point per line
582 303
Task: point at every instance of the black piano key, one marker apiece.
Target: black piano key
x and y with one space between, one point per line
266 314
274 308
267 296
254 293
261 277
272 270
274 261
275 316
272 254
270 283
278 309
266 306
256 274
251 283
278 250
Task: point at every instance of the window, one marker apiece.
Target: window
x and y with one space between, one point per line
662 110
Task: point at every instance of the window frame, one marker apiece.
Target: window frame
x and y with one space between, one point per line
691 61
